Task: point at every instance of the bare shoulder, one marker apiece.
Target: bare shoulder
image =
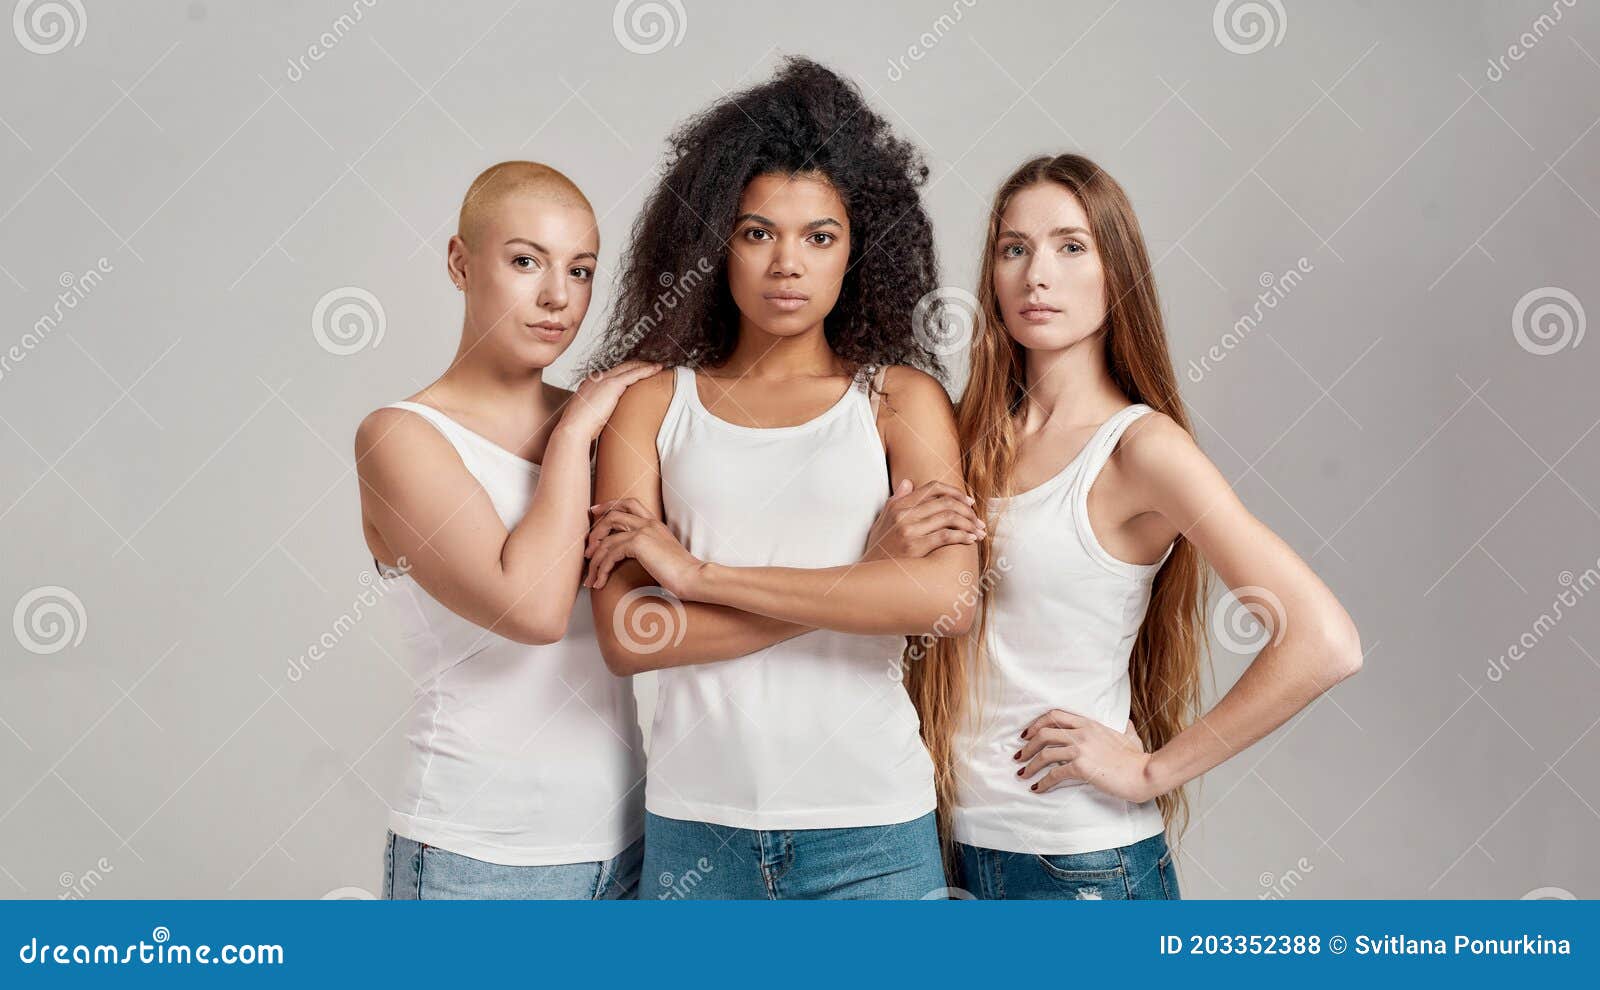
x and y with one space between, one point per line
912 392
1160 458
649 397
392 443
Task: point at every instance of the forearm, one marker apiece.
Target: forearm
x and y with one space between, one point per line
900 597
1282 680
543 553
642 630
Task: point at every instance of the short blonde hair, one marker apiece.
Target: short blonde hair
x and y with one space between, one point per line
498 182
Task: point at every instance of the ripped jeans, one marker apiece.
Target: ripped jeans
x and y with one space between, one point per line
1141 871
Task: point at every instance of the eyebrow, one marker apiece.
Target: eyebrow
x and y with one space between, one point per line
767 221
1057 232
544 250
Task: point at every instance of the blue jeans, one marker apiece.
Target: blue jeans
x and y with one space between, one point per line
415 871
685 859
1141 871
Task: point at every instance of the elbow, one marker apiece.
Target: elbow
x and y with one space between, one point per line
621 661
1341 649
954 613
534 630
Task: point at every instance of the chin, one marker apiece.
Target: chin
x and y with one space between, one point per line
1053 336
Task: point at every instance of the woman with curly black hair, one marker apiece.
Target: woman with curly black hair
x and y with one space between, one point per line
777 269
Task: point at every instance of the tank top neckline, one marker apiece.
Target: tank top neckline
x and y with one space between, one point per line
424 410
688 382
1051 483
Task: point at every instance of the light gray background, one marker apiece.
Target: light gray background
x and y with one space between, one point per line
176 453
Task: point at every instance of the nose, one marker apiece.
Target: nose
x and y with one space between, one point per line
786 261
1037 274
553 291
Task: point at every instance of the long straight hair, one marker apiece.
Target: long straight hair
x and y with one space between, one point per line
1164 668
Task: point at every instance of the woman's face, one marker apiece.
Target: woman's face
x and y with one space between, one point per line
1047 271
529 277
789 252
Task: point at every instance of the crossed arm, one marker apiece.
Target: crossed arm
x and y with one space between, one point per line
733 611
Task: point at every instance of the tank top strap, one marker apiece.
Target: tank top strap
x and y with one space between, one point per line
444 424
876 376
1100 446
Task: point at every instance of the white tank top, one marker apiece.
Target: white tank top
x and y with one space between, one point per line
518 755
816 731
1063 615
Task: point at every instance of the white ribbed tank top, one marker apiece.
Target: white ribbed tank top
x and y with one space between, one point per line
516 754
816 731
1063 616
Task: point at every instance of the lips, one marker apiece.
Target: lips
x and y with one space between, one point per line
787 300
1039 313
548 330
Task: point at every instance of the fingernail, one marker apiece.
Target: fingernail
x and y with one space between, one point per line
1019 770
1024 733
1033 787
1017 755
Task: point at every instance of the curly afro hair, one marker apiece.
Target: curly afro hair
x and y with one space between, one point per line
673 303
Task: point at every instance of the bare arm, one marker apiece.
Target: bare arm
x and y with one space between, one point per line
1313 645
893 596
630 467
429 511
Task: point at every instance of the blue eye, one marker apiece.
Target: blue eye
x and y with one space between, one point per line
1006 252
1073 247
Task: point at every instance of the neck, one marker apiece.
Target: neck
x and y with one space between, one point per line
1070 385
762 354
478 381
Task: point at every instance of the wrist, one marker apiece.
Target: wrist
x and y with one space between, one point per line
701 582
567 436
1156 777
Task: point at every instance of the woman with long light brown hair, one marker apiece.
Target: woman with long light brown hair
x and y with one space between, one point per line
1105 519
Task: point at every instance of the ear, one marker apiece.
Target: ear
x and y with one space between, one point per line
455 261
